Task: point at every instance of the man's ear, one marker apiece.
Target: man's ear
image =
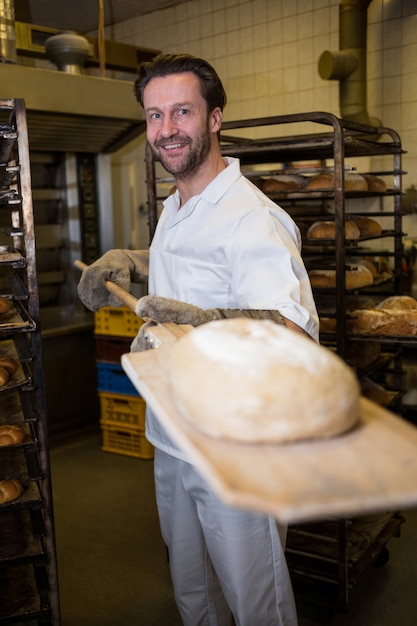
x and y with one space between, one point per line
216 117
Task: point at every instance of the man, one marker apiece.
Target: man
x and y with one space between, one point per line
220 246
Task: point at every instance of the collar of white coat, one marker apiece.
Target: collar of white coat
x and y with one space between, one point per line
212 193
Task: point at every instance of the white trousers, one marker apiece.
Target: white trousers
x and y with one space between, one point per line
224 561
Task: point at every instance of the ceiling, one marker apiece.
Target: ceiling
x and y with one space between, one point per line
81 15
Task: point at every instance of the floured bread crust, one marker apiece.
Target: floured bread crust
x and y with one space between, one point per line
255 381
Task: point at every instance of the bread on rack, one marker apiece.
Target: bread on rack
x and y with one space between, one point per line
326 180
355 278
327 230
378 321
375 183
398 302
10 490
240 379
5 305
11 434
361 354
283 182
8 367
368 227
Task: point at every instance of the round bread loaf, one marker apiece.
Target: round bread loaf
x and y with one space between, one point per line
5 305
367 226
10 490
255 381
11 434
354 278
327 230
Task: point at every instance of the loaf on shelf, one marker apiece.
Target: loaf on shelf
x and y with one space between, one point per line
355 278
11 434
326 180
396 316
283 182
327 230
10 490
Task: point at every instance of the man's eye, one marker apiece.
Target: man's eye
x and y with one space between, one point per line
155 116
183 111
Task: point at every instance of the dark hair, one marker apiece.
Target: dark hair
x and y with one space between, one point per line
166 64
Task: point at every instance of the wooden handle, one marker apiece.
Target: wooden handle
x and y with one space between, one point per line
120 293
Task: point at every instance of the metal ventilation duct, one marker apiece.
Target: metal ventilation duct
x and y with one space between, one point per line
73 112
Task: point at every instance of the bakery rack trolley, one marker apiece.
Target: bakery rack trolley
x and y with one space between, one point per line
326 559
28 564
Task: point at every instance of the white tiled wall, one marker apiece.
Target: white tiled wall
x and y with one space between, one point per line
267 52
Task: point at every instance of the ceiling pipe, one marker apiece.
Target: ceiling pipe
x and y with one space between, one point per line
348 65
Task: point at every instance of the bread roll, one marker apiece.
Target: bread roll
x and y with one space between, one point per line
369 265
375 183
5 305
9 364
354 278
255 381
327 230
392 322
11 434
367 226
4 376
10 490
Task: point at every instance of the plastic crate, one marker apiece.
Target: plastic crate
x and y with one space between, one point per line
110 349
111 377
119 321
127 441
121 410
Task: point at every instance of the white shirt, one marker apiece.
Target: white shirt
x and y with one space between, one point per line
230 247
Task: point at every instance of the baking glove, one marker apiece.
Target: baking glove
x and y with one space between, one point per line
167 310
122 267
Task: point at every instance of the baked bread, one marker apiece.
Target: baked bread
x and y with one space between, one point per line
5 305
361 354
255 381
4 376
354 278
326 180
327 230
10 490
9 364
11 434
367 226
375 183
283 182
392 322
398 302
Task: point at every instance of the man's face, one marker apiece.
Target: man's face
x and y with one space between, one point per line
178 125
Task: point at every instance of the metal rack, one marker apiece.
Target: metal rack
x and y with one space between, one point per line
28 565
320 556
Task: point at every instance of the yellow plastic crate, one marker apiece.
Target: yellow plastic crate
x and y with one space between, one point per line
127 441
118 321
122 410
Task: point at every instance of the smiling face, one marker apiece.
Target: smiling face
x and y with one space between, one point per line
179 128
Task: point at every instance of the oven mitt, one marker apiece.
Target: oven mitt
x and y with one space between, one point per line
167 310
122 267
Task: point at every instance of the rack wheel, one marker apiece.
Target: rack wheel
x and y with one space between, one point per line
382 558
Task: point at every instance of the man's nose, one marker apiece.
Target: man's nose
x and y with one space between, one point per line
168 128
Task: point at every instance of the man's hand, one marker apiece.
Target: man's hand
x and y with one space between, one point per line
119 266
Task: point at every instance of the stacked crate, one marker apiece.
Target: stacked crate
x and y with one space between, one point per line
122 416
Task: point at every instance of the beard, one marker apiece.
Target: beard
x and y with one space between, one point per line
187 165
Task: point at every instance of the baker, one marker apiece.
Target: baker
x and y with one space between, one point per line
220 246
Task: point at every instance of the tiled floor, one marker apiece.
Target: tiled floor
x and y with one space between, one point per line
112 563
